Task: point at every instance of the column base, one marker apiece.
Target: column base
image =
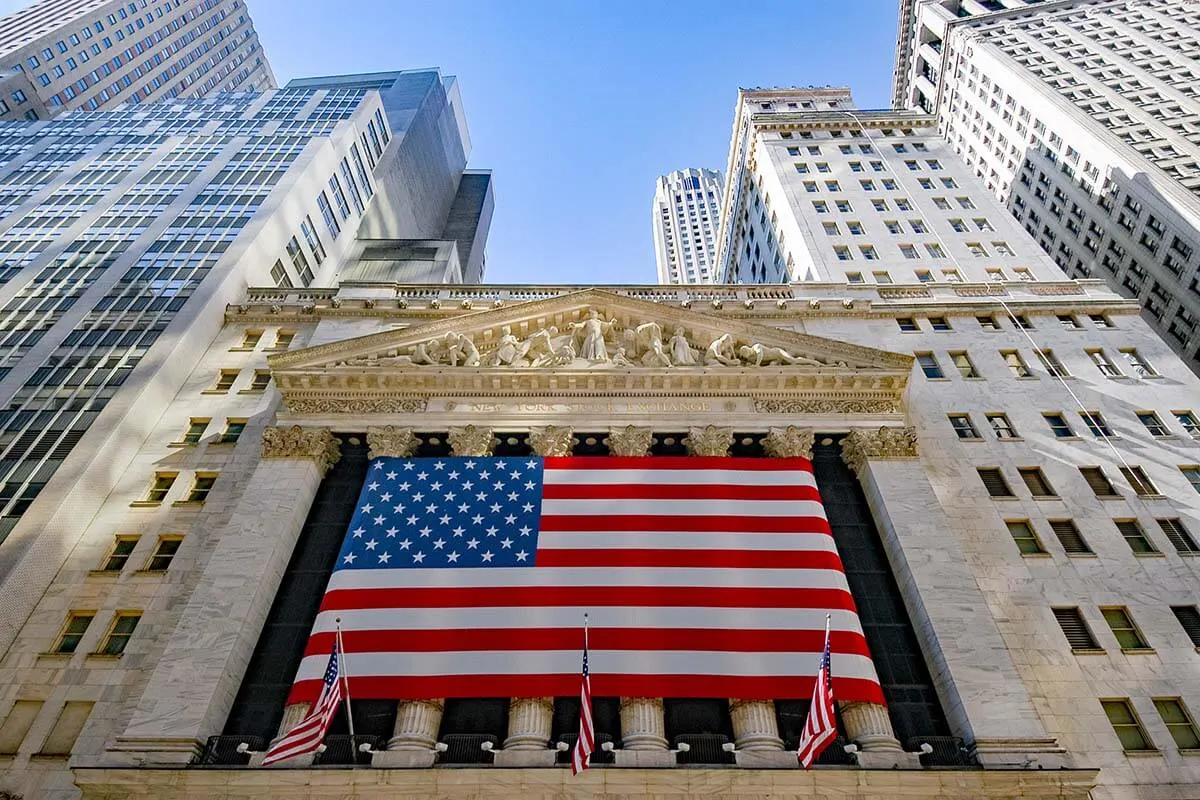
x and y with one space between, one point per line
767 759
888 759
403 759
524 758
644 759
1021 754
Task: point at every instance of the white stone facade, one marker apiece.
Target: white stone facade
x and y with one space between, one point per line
1007 678
99 54
1081 118
685 221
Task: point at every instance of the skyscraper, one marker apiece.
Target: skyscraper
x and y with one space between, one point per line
685 223
59 55
1084 119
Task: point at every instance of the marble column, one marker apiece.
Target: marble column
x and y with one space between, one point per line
292 714
188 695
530 719
643 726
981 690
754 725
417 723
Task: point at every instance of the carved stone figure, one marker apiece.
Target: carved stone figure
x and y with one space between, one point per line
619 358
721 351
681 350
593 329
538 347
430 352
460 350
506 351
649 335
562 356
759 354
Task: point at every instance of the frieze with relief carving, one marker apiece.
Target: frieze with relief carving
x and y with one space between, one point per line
824 405
361 405
866 444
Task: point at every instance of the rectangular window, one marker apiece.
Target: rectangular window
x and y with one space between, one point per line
908 324
326 210
225 380
1126 633
939 323
1096 424
1016 364
164 554
161 486
1193 476
994 482
1154 426
1035 481
1069 322
909 251
820 206
1022 322
279 275
868 252
118 556
1140 366
250 340
1076 629
843 253
234 426
1100 321
962 362
1098 482
1050 361
201 486
283 340
124 623
988 323
1059 425
1140 481
1107 368
1179 535
881 277
1189 620
1023 534
262 379
1191 425
1001 426
73 630
963 426
830 228
833 186
313 240
195 430
854 277
339 197
17 724
1134 536
1178 721
1069 537
929 365
74 715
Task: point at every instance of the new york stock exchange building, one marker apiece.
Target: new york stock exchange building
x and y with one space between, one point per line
452 477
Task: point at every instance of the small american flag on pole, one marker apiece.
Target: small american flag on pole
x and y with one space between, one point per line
307 735
582 752
821 726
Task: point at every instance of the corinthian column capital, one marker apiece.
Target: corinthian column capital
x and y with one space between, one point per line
315 444
866 444
629 441
711 440
552 440
789 442
471 441
390 440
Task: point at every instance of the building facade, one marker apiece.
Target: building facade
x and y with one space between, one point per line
1016 504
62 55
686 223
1082 118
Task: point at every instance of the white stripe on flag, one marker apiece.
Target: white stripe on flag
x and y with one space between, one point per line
688 506
587 576
682 477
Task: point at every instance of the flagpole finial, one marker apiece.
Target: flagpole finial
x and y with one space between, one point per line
337 621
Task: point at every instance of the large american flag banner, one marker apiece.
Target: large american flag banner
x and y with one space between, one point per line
704 577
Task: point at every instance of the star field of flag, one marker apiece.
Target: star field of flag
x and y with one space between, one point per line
446 512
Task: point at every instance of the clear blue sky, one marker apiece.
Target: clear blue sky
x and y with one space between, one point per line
579 105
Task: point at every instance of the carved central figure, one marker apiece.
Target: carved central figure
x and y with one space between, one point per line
593 329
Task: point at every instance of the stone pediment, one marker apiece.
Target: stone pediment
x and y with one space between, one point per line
593 342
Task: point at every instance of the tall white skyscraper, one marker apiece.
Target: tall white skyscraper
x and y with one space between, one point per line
61 55
685 221
1084 119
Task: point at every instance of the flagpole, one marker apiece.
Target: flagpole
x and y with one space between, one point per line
585 631
346 678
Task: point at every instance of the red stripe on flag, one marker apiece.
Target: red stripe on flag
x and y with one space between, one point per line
682 522
402 687
716 559
651 639
588 596
680 463
675 491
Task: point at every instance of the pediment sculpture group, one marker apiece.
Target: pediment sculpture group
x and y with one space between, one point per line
595 342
